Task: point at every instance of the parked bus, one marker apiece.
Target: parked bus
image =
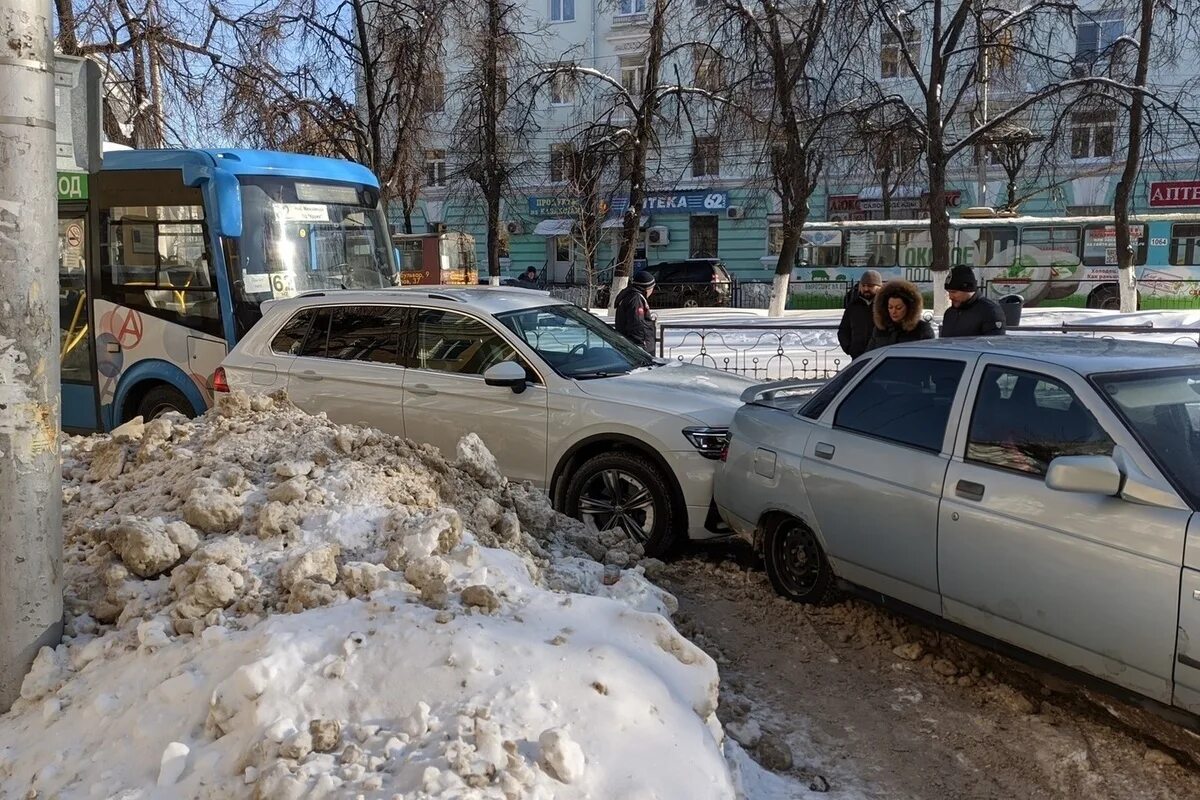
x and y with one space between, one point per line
166 255
437 259
1060 261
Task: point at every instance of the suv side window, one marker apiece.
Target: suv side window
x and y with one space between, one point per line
447 341
904 400
318 335
666 273
1022 421
820 401
290 339
369 333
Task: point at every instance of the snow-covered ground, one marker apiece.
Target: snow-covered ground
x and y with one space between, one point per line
263 604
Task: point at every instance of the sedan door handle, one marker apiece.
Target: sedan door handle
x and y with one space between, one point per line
825 450
308 375
969 490
423 390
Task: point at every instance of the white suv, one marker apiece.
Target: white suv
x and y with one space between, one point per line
617 438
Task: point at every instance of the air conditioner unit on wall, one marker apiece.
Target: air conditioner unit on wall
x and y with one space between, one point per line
659 235
735 212
514 228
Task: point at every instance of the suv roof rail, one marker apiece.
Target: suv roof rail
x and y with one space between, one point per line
450 298
311 294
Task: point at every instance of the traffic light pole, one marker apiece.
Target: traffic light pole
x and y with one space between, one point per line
30 479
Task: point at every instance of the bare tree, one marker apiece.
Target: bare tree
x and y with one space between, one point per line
631 118
793 64
346 78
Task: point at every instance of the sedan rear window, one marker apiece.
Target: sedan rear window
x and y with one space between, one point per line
904 400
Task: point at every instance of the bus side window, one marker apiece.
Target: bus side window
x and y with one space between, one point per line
871 248
154 255
987 247
1100 245
1185 245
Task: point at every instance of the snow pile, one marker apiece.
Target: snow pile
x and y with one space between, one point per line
263 604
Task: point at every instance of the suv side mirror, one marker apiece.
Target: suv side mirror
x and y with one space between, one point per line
506 373
1085 475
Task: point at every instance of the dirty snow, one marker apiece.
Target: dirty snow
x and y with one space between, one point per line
263 604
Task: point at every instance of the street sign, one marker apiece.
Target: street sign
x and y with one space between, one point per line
72 186
77 94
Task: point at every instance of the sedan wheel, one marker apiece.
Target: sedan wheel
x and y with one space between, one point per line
623 491
796 564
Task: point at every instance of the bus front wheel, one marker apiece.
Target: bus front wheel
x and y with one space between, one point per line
163 399
1107 297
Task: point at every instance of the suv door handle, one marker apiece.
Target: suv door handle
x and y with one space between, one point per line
422 389
825 451
308 375
969 490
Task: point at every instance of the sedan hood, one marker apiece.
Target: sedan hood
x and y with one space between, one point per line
708 395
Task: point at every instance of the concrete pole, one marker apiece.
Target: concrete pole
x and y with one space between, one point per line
31 605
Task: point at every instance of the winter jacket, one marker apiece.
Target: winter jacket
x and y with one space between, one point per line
910 329
634 319
857 324
979 316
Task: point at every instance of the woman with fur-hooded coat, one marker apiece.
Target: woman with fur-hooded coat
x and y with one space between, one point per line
897 312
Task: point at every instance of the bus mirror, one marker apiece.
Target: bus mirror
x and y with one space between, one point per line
229 203
396 256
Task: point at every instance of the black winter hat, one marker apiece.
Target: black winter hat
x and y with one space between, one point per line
643 279
961 279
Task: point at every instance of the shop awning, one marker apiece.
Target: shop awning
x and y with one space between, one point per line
554 227
616 222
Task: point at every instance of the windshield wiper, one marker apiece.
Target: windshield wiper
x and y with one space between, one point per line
600 373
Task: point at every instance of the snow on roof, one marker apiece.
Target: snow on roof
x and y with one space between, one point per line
262 603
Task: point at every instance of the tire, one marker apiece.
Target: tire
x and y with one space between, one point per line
689 301
161 400
589 498
1106 297
796 564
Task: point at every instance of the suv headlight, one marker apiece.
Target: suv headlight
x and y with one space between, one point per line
709 442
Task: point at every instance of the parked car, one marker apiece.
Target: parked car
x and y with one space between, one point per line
696 282
617 438
1040 492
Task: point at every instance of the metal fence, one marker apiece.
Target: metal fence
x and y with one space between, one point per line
766 353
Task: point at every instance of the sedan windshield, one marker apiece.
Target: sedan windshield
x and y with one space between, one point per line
1163 410
574 342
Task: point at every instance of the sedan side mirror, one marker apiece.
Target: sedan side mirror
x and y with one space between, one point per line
506 373
1085 475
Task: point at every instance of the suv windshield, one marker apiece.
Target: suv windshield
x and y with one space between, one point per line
1163 410
303 235
574 343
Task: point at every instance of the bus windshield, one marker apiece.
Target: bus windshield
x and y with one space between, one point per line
302 235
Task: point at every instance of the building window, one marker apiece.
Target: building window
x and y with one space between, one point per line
706 156
560 162
1095 36
703 234
562 87
562 10
629 8
1093 134
435 167
433 94
633 74
707 65
892 63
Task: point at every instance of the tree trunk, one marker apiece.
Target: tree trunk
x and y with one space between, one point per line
493 234
783 267
939 229
1127 283
491 155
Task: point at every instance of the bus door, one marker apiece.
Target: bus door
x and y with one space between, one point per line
79 409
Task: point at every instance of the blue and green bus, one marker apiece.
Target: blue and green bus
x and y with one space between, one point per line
165 257
1048 261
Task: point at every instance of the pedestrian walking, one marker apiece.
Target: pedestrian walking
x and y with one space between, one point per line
633 316
897 314
970 313
858 322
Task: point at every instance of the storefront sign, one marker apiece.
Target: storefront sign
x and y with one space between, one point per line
1174 194
554 206
697 202
851 203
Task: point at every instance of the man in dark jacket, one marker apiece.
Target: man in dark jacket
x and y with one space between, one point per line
634 319
855 330
970 313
